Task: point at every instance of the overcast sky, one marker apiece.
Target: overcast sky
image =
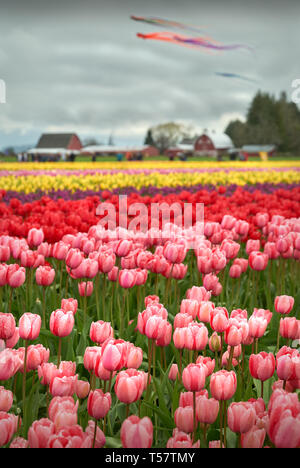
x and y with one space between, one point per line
78 66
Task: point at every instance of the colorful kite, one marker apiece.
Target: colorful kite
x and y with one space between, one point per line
163 22
235 75
194 42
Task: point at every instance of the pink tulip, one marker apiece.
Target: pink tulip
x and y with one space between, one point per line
284 428
235 271
60 250
184 419
129 386
88 268
254 438
236 332
100 437
174 252
28 258
44 275
179 338
89 357
258 261
190 307
100 331
193 377
230 248
123 247
13 340
82 389
208 363
29 326
19 443
219 319
262 365
114 353
35 237
127 278
257 326
98 404
67 368
182 320
46 372
205 310
106 261
223 385
198 293
85 288
70 437
187 398
63 386
134 357
4 253
155 327
173 373
284 304
215 343
6 399
61 323
290 328
8 426
252 245
69 305
271 250
181 440
196 336
10 363
7 326
261 219
74 258
165 335
36 355
207 410
241 417
136 432
15 276
3 274
39 433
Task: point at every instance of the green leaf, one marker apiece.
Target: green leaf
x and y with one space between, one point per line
112 442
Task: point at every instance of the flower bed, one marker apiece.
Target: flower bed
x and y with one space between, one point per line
114 339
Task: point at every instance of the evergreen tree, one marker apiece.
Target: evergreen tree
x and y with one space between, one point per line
149 139
269 121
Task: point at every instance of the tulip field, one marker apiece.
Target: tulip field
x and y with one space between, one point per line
117 338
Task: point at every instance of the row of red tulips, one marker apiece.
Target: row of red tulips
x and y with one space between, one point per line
60 217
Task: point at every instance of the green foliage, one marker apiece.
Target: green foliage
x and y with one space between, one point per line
268 121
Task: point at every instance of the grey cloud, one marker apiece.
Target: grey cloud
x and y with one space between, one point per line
73 64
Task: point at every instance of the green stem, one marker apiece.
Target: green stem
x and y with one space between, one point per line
24 384
225 423
44 307
194 416
59 351
95 433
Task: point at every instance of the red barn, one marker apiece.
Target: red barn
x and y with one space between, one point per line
212 144
68 141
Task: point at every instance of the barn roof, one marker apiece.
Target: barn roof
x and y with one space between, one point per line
258 148
55 140
51 151
113 149
220 140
